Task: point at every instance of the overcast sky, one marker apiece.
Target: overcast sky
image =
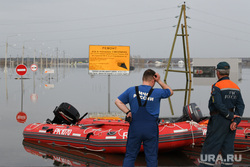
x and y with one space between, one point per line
218 28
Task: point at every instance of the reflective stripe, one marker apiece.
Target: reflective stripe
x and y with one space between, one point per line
230 89
227 115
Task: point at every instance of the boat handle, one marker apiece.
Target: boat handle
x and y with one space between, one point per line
88 135
247 135
49 130
89 149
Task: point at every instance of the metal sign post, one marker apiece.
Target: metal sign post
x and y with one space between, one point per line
21 70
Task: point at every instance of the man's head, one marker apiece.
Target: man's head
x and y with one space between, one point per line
223 68
148 75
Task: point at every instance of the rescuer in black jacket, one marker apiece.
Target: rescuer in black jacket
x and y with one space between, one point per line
226 108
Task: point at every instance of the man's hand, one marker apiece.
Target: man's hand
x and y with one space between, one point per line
129 115
157 77
233 126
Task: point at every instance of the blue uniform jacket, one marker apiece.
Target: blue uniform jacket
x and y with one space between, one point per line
226 96
153 104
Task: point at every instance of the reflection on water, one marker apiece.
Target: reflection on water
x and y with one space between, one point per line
41 93
63 156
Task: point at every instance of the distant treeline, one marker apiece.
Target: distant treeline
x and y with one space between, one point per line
14 61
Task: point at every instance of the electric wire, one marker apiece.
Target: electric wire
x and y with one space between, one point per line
223 18
90 18
100 27
104 35
224 27
134 23
217 34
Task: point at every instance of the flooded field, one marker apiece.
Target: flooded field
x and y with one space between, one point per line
42 92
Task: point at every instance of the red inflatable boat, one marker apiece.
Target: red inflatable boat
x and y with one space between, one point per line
242 137
109 136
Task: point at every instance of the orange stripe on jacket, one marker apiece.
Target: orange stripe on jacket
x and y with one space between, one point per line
227 84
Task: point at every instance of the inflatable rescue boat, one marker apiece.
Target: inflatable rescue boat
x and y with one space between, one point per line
242 137
102 135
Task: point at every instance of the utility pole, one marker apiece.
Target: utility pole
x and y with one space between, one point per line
187 62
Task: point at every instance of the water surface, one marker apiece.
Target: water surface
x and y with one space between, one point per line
43 92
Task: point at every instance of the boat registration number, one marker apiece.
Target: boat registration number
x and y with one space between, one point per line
59 131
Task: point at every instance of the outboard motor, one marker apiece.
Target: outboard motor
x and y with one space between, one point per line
66 114
191 112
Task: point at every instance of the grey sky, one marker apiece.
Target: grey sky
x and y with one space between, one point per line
218 28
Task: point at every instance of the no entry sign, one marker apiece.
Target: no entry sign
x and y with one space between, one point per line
33 67
21 69
21 117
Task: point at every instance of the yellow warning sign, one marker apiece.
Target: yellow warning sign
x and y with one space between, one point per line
109 60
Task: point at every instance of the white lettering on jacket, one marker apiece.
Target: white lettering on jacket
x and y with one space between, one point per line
143 96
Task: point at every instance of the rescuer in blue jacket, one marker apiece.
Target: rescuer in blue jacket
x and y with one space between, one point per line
144 103
226 108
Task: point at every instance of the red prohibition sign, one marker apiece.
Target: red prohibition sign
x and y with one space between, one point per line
21 117
33 67
21 69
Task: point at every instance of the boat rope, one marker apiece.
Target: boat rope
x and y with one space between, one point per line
241 151
34 126
118 132
100 131
92 130
245 132
174 125
162 128
178 126
95 150
191 128
194 123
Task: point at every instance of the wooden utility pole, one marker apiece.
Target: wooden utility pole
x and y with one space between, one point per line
187 71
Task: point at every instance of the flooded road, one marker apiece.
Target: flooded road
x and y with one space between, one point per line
43 92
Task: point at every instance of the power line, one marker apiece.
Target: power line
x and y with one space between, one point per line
89 18
98 27
225 18
217 34
224 27
115 34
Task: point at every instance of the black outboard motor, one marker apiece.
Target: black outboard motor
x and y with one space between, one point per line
66 114
191 112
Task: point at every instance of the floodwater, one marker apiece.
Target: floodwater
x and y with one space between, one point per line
42 92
